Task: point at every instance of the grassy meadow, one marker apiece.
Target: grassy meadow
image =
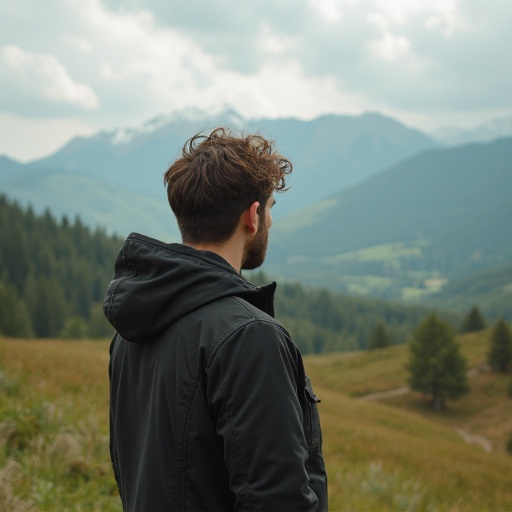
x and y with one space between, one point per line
384 452
54 426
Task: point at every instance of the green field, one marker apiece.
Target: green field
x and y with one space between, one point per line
383 452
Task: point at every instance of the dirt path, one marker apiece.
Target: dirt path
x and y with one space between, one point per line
469 438
379 395
475 439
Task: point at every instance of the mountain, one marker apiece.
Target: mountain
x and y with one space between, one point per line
486 132
115 179
329 153
440 214
9 167
374 208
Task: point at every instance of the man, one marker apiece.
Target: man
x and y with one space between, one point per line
210 407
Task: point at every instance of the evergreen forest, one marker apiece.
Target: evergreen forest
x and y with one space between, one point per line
54 273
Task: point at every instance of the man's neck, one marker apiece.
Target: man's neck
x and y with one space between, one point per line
230 251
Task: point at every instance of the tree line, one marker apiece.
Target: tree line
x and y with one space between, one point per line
321 321
54 273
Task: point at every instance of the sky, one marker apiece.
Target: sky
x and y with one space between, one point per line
76 67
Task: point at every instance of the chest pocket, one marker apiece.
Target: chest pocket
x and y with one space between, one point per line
312 418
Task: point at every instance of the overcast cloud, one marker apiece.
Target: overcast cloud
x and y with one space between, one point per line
72 67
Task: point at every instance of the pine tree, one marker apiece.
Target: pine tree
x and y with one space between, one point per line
474 321
74 328
99 327
509 442
14 317
47 306
379 337
436 366
499 356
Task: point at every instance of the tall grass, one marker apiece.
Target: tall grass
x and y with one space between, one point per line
53 427
390 455
425 465
399 454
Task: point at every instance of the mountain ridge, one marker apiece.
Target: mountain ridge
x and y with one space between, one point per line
390 234
329 152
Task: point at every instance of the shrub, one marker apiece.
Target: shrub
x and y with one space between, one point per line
509 444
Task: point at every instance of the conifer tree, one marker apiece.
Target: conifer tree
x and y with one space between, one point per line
379 337
74 328
47 306
509 442
436 365
99 327
499 356
474 321
14 318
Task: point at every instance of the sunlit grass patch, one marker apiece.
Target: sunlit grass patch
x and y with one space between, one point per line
53 428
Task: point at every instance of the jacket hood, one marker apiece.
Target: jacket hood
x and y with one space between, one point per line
155 284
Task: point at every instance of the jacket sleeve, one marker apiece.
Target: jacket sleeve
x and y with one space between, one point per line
253 383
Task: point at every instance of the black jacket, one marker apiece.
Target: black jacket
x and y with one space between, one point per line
210 408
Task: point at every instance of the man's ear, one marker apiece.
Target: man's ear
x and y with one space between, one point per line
251 217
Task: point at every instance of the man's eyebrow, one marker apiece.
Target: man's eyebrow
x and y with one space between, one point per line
273 204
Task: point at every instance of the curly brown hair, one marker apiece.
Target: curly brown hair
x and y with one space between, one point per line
217 177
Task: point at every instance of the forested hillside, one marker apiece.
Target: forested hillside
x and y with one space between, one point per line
444 213
54 275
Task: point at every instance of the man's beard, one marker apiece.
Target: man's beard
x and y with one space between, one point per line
255 250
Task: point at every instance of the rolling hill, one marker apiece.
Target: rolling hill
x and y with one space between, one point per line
440 214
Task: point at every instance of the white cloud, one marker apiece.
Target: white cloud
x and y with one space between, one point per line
390 47
272 42
396 21
117 63
141 65
443 14
279 88
82 44
43 75
330 10
26 138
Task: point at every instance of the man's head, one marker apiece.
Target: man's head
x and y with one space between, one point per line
217 178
